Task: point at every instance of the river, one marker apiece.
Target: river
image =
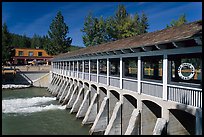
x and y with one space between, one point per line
34 111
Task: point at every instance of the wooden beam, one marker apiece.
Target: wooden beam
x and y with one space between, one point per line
132 50
157 46
174 44
198 40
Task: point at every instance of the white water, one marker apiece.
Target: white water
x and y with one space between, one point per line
29 105
10 86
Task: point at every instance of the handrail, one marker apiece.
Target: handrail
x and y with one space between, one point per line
150 82
191 88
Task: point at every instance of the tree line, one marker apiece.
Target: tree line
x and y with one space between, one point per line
96 30
120 25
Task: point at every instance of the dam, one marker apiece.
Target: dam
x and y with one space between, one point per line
150 84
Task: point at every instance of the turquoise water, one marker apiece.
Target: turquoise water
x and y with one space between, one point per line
34 111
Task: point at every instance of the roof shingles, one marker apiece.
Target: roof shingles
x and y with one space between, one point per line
165 35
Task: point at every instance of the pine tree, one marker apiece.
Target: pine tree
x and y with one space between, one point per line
58 35
36 41
143 24
181 20
121 25
6 44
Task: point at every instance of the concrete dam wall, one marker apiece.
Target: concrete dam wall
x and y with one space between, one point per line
37 79
113 111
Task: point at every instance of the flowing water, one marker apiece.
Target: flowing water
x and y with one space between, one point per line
34 111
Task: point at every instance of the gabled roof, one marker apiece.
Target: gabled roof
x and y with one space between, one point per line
171 34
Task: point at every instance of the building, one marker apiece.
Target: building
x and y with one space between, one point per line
142 85
23 56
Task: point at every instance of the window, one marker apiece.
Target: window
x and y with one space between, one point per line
186 68
115 67
20 53
30 53
71 66
152 67
80 66
75 66
93 66
86 66
39 54
103 66
130 67
67 65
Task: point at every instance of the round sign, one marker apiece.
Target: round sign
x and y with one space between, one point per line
188 74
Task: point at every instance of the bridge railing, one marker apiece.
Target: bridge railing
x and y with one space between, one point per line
185 95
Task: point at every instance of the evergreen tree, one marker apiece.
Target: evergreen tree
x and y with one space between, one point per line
19 41
36 41
121 25
58 35
6 45
88 29
143 24
46 43
181 20
94 31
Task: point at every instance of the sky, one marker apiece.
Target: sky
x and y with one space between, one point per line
29 18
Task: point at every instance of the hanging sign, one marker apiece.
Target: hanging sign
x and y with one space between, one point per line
188 75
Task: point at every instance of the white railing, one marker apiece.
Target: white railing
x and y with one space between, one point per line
129 84
86 75
185 95
102 79
152 88
80 75
114 81
93 77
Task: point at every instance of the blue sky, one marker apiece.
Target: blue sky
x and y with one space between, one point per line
31 18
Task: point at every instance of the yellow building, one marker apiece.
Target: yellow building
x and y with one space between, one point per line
23 56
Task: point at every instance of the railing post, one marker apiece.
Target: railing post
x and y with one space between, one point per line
58 67
108 71
83 69
63 68
69 68
121 73
77 69
139 74
89 70
66 67
165 76
73 73
97 66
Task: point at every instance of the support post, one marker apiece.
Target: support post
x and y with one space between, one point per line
165 75
139 74
69 68
77 69
97 70
89 70
83 69
121 73
108 64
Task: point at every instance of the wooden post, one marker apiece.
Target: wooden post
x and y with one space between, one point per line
139 74
97 70
108 64
121 73
165 76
